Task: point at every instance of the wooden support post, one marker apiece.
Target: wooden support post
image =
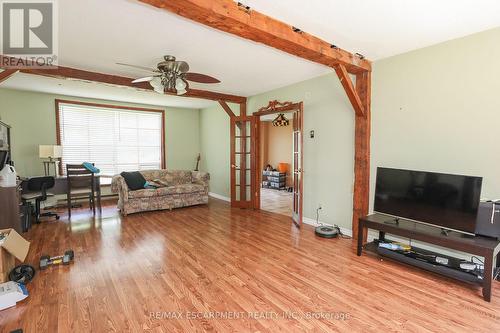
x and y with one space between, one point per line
362 154
227 109
243 109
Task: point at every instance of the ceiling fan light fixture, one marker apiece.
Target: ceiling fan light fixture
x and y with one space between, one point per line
157 85
281 121
181 86
172 76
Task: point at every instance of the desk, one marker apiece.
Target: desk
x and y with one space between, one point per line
61 187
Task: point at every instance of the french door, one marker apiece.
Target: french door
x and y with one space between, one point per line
243 161
245 169
297 165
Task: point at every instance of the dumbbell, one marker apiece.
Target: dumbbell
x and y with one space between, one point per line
46 260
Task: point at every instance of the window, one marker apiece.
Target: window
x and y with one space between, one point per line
115 138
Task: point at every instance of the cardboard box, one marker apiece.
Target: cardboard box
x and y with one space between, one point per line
12 246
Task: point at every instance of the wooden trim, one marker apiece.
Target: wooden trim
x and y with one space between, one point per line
213 96
232 169
362 154
227 109
58 132
110 106
256 167
227 16
273 107
79 74
350 90
163 143
6 74
301 181
277 107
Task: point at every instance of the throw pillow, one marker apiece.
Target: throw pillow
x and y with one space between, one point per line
135 180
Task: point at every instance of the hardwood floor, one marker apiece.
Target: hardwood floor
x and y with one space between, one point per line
279 202
165 271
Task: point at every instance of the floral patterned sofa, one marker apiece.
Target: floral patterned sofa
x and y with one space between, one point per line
183 188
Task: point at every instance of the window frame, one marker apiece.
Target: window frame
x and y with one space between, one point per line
110 106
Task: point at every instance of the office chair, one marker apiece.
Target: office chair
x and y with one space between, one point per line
37 187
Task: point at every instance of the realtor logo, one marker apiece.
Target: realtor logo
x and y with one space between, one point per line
29 34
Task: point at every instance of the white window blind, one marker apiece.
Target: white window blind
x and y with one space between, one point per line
115 140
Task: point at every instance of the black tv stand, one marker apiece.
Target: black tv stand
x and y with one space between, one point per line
393 221
488 248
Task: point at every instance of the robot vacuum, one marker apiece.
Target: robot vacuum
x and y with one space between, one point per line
327 231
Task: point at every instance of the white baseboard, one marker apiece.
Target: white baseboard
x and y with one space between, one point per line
218 196
312 222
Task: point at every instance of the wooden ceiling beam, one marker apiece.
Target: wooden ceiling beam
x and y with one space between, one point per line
83 75
350 90
228 16
6 74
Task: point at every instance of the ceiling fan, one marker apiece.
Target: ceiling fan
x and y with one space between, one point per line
171 76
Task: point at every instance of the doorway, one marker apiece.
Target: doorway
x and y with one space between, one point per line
275 162
278 168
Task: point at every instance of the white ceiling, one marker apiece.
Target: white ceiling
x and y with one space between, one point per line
95 34
383 28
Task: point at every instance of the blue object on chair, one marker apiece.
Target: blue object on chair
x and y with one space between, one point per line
91 167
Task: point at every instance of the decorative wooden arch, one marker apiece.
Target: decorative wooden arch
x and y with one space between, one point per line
276 107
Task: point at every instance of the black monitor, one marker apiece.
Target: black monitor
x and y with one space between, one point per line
448 201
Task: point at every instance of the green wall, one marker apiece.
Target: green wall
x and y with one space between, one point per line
432 109
32 117
328 158
437 109
215 147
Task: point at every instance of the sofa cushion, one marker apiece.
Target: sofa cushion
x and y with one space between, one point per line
154 174
134 180
178 177
183 189
179 189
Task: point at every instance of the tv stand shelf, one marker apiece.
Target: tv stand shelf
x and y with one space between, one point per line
475 245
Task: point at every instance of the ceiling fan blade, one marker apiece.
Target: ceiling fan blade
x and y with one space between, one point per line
139 67
201 78
144 79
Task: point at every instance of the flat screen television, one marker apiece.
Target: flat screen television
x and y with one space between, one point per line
448 201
